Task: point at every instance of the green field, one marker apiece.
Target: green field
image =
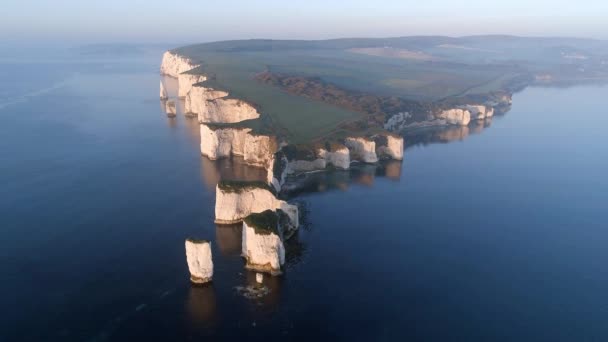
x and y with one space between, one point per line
455 67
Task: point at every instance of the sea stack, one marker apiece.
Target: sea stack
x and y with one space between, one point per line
170 108
263 247
163 91
200 264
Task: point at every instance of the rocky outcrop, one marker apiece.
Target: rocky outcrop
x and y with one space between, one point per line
235 200
479 112
455 116
337 155
185 83
278 173
200 263
218 141
362 149
163 91
226 110
389 146
262 245
170 108
173 64
196 102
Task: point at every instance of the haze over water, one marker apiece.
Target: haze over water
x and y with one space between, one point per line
500 236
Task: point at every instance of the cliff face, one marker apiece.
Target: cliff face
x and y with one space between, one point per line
455 116
389 146
480 112
196 102
257 150
173 64
185 83
200 263
263 252
163 91
233 205
225 110
362 149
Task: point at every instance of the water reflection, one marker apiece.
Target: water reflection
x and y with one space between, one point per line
445 134
228 239
201 305
362 174
229 168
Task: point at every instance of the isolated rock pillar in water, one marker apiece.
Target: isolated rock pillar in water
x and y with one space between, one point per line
200 264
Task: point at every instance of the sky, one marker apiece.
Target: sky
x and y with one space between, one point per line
184 21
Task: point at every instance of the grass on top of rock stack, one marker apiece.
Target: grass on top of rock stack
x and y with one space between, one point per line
264 223
243 185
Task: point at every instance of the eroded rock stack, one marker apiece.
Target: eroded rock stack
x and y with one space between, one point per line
200 263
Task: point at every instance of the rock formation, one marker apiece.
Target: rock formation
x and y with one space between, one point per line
225 110
200 264
235 200
362 149
389 146
170 108
219 141
263 247
163 91
479 112
455 116
185 83
173 64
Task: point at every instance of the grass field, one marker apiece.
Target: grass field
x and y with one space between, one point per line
433 69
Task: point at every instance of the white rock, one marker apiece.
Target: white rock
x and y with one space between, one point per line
263 248
393 148
455 116
163 91
221 142
185 82
397 122
480 112
196 102
259 278
173 64
362 149
339 156
232 205
170 108
200 263
226 111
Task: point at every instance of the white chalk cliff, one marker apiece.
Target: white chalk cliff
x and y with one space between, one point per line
185 83
170 108
479 112
173 64
163 91
390 146
362 149
262 247
455 116
221 142
234 202
200 263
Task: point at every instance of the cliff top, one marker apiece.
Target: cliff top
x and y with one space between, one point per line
241 185
314 89
264 223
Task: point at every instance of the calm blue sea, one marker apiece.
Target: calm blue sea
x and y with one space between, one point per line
498 233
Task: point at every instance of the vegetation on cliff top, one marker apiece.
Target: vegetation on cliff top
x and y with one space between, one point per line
332 86
242 185
264 223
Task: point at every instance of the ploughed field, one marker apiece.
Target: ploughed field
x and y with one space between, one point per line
419 71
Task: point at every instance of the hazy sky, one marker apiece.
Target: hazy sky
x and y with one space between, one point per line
191 20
